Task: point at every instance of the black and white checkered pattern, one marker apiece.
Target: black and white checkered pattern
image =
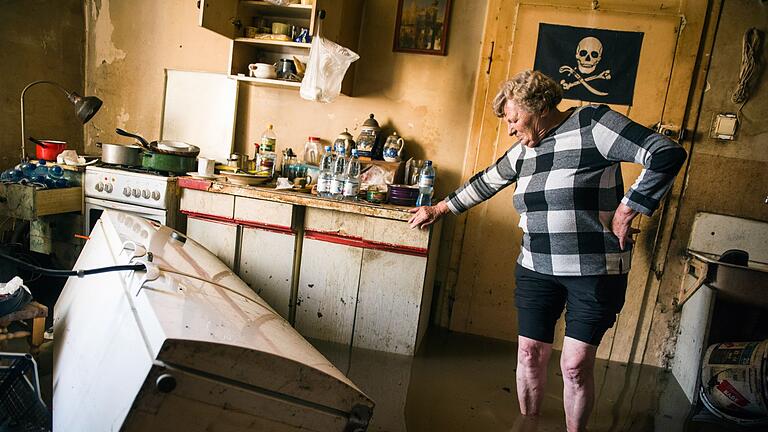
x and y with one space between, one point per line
569 186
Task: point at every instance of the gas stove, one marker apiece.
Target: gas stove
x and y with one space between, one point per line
130 185
149 194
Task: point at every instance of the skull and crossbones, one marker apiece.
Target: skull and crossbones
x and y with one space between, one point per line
589 52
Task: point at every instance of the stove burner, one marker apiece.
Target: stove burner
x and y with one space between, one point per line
140 170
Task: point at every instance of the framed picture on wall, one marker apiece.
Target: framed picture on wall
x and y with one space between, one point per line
422 26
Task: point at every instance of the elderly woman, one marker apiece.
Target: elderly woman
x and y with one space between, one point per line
575 217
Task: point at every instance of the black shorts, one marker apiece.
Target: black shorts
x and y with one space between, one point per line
591 303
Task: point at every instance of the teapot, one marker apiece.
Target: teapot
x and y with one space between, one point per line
393 148
344 143
368 138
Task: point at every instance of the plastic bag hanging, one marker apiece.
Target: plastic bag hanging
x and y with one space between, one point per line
325 70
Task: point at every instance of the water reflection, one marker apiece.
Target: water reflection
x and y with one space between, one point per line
467 383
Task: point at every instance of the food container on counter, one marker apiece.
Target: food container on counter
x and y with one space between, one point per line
403 195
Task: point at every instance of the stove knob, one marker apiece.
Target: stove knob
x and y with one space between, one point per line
99 186
145 193
156 195
108 188
127 191
136 193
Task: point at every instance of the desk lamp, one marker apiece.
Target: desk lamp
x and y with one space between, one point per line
85 108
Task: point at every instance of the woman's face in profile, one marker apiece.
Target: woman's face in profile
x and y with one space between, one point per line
522 124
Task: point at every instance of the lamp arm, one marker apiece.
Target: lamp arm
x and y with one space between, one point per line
23 135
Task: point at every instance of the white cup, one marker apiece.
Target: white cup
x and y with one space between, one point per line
205 166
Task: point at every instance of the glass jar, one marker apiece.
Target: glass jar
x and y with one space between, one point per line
312 151
265 163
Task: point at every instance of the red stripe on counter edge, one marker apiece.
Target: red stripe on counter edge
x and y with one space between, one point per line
320 236
367 244
251 224
265 226
193 183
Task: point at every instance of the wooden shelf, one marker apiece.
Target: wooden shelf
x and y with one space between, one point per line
273 42
229 19
298 10
268 82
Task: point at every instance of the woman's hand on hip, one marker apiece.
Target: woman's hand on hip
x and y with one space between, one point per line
427 215
621 225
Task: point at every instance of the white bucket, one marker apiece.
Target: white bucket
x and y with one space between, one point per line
734 381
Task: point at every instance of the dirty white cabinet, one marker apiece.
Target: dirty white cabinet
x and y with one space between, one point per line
327 295
390 301
266 259
358 279
365 280
209 222
217 236
267 249
253 237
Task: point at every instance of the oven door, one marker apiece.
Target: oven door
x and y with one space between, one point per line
95 206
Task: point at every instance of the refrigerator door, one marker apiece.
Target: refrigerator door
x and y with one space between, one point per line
217 345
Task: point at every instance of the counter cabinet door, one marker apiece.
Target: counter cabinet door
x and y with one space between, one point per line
390 301
328 283
266 265
220 238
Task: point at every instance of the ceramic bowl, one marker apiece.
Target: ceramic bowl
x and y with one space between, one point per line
262 70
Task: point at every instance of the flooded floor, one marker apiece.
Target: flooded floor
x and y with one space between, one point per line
466 383
461 382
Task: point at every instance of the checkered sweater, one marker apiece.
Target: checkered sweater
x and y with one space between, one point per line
569 186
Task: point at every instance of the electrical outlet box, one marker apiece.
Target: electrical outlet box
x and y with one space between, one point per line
724 126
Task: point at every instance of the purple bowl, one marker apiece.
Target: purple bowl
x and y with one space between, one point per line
403 191
410 202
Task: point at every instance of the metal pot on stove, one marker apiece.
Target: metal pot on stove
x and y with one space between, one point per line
121 154
172 156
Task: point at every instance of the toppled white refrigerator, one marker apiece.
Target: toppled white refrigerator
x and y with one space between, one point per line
184 345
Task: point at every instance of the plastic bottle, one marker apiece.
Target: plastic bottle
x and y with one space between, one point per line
28 170
326 173
268 140
41 169
55 174
352 178
426 184
337 183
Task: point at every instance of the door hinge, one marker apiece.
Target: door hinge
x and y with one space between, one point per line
490 58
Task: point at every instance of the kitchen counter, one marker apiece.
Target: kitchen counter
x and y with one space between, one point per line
287 196
353 273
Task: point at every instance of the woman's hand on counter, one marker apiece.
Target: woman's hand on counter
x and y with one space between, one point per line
427 215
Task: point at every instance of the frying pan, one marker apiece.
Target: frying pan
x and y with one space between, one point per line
177 148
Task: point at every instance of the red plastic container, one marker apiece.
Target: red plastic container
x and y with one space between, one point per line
49 149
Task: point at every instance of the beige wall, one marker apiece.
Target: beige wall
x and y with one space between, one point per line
723 177
427 99
41 40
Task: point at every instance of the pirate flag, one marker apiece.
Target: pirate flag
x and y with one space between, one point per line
591 64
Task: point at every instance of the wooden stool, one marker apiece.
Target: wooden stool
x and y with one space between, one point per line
34 314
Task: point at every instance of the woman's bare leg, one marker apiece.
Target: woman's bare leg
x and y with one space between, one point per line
532 359
578 366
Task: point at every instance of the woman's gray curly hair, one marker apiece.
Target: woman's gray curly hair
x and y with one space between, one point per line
531 90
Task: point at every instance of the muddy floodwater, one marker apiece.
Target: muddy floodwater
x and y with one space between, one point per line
461 382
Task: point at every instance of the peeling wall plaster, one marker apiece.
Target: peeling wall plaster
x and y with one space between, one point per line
48 48
106 51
